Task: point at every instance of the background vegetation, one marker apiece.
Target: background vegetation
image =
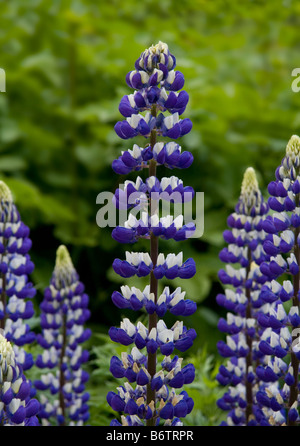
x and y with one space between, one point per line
65 64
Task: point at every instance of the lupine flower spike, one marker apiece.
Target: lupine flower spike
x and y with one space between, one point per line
243 281
282 321
16 291
64 312
17 408
150 396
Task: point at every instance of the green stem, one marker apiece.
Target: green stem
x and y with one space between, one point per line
152 323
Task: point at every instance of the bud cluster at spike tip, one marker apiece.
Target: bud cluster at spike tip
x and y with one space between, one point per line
281 320
246 364
153 110
155 82
16 290
64 311
17 407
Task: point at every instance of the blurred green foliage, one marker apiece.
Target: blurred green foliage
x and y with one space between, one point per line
65 64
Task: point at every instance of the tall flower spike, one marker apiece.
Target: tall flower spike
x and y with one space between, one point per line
282 321
64 312
243 302
17 408
153 110
16 291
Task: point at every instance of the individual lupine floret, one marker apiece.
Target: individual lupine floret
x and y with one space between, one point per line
16 291
242 300
17 407
282 245
64 312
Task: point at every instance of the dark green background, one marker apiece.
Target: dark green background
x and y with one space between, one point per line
65 64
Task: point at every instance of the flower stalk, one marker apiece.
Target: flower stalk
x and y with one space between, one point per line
151 402
64 312
151 365
282 321
16 291
242 298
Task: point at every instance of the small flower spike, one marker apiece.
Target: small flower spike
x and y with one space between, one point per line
280 319
64 312
16 291
151 396
17 408
243 301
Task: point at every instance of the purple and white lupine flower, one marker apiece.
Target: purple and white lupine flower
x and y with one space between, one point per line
138 125
136 194
17 407
16 290
282 322
154 109
64 312
141 265
165 227
165 154
133 401
159 338
135 299
243 301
